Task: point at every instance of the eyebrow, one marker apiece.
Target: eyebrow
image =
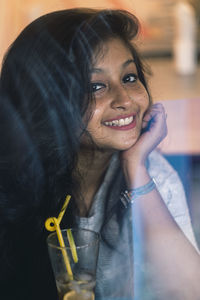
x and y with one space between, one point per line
128 62
125 64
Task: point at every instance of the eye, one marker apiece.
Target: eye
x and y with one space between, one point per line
130 78
96 86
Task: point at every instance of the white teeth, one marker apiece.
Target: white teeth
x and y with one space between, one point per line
115 123
126 121
120 122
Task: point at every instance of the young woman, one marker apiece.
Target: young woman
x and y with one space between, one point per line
77 118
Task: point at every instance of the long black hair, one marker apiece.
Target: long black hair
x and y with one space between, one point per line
45 92
46 75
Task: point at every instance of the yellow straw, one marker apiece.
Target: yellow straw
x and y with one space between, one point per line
53 224
64 252
49 223
72 245
61 214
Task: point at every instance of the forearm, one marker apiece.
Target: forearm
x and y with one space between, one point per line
175 264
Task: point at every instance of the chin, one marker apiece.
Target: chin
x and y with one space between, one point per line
124 147
129 144
117 145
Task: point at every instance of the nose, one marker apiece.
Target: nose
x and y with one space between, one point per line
121 99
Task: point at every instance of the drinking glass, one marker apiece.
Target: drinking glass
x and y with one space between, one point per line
82 285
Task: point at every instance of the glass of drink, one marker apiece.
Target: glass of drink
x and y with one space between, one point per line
81 286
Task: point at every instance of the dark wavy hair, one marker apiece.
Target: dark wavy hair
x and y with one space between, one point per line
45 92
46 75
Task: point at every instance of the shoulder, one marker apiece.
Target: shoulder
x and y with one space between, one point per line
172 192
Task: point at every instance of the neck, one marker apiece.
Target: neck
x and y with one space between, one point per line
91 166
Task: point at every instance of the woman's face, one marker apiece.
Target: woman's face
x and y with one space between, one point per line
120 98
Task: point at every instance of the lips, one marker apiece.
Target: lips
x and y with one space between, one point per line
121 122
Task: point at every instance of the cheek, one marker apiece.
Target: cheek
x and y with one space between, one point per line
145 100
95 120
143 103
141 97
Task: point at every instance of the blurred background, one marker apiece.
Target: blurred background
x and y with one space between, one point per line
156 16
169 42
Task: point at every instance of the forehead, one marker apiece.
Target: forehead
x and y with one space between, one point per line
110 50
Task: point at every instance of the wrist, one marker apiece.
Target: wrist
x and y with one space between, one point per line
131 195
136 176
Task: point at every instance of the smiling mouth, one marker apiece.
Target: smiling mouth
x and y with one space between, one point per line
120 122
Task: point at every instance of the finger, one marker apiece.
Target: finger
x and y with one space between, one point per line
153 110
155 113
